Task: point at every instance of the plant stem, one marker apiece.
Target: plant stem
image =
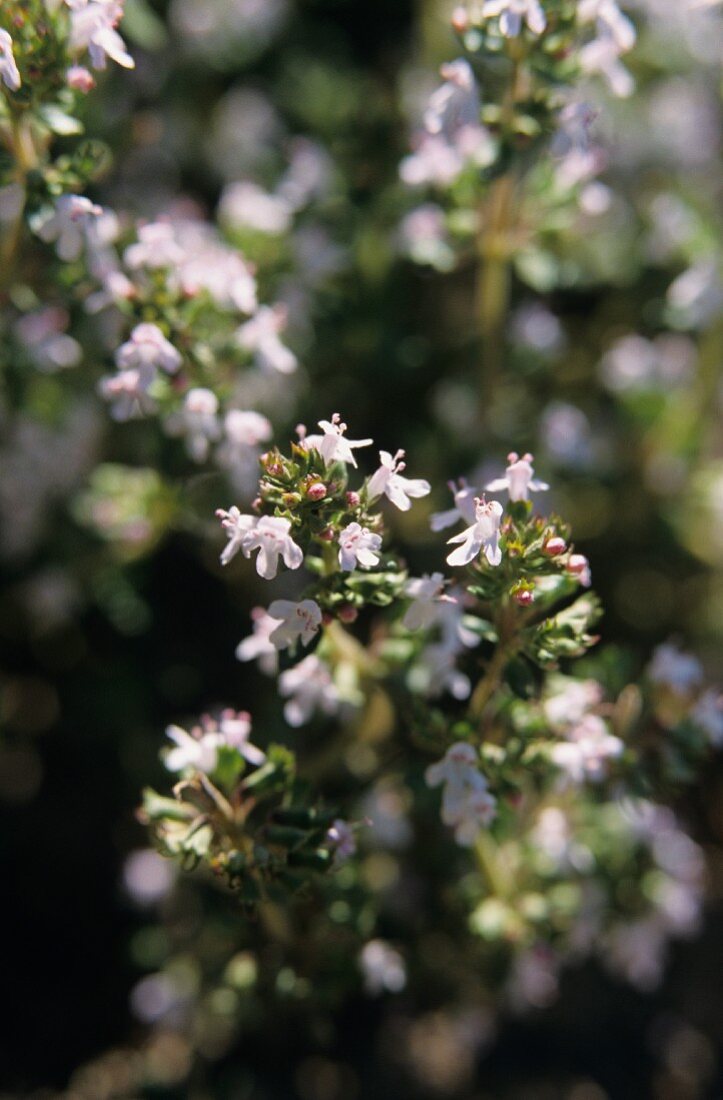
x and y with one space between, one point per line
21 144
487 853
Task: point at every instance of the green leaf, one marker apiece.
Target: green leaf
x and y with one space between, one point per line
57 120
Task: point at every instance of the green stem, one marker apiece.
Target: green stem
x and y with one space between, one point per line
487 853
21 144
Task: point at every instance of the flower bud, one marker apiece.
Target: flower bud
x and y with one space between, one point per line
353 499
291 499
524 597
316 491
79 78
460 20
555 546
327 535
347 613
577 563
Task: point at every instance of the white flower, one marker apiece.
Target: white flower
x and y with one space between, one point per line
340 836
519 478
238 527
197 752
464 507
8 69
389 481
332 445
260 335
258 645
270 536
308 686
358 545
512 13
467 805
197 421
294 620
383 968
682 672
68 225
708 714
426 592
483 535
92 28
589 746
199 748
148 348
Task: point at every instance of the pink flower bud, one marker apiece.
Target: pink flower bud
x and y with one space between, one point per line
577 563
460 20
353 499
327 618
347 613
524 597
555 546
79 78
327 535
316 491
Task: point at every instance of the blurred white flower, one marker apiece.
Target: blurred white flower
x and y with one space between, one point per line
382 968
519 479
8 69
307 687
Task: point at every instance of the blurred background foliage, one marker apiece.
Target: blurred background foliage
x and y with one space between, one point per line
613 381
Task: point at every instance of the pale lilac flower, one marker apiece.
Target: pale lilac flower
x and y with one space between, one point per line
8 69
156 247
389 481
246 428
340 836
127 391
424 238
148 348
92 28
519 479
571 701
307 687
43 336
332 445
79 78
383 968
467 805
426 592
512 13
482 536
434 161
260 335
270 536
245 205
635 950
601 57
586 752
358 545
197 421
464 507
199 751
708 714
436 672
68 225
610 22
234 728
309 175
682 672
147 876
238 528
533 980
455 103
294 621
258 645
